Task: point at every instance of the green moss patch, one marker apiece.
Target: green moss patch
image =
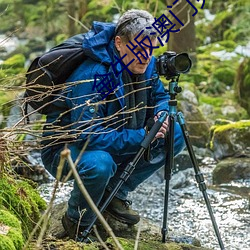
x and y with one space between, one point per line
230 138
128 244
22 200
10 231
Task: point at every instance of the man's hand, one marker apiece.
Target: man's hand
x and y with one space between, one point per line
164 128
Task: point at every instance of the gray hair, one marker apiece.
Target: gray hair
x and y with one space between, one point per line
132 22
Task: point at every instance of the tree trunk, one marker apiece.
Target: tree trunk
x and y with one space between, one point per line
83 7
72 14
183 41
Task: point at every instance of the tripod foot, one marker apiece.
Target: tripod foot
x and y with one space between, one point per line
164 232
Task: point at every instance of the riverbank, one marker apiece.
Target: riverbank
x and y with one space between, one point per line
188 215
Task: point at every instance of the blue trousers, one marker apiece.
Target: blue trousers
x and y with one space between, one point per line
100 170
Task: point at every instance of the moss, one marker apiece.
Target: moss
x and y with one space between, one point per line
224 75
212 100
220 24
9 219
13 71
22 200
6 243
229 45
13 239
128 244
238 128
16 237
236 125
219 103
17 61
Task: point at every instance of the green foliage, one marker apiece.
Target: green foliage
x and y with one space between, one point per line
218 104
224 75
16 61
221 23
214 101
13 66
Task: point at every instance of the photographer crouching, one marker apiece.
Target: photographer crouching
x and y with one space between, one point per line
108 114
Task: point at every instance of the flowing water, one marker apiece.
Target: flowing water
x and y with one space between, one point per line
187 212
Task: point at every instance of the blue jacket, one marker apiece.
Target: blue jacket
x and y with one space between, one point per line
105 132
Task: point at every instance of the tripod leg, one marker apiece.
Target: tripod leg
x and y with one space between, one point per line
129 168
199 177
168 173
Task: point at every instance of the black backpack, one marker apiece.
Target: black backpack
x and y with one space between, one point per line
48 73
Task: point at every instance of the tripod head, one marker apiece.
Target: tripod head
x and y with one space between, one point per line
174 89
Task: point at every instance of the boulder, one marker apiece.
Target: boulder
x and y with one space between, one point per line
231 169
197 125
232 139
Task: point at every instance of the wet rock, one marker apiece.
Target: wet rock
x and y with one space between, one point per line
181 179
197 125
31 167
231 169
231 139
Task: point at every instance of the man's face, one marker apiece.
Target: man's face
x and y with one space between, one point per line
136 67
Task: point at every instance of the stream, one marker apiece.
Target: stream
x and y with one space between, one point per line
187 212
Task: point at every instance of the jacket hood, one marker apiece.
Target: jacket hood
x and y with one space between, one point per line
98 43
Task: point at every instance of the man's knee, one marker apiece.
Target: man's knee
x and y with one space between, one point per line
97 165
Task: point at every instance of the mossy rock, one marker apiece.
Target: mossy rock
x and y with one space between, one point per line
232 139
128 244
16 61
10 231
221 107
13 70
231 169
22 200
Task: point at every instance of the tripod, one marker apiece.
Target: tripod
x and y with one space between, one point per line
169 163
129 169
173 90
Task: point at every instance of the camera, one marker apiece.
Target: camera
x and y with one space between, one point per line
171 65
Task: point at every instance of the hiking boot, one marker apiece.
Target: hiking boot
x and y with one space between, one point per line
121 211
75 231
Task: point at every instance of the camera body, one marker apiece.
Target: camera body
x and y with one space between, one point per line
171 65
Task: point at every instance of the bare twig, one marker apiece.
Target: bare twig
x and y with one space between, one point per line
138 236
45 217
99 238
77 21
66 154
